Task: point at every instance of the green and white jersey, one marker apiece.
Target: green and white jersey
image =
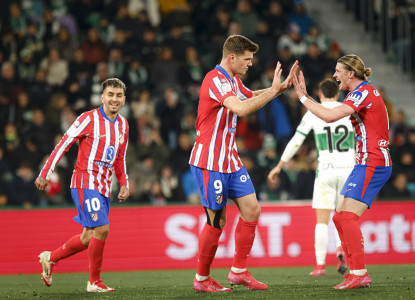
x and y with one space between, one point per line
334 141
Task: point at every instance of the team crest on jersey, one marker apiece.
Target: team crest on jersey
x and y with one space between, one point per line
358 97
219 199
94 216
226 87
383 143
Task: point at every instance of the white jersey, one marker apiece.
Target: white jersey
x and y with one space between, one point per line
334 141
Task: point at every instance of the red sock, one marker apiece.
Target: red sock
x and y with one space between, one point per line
354 239
71 247
244 239
336 221
95 254
208 244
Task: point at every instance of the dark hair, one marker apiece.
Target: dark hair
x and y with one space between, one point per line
238 44
355 63
329 88
114 82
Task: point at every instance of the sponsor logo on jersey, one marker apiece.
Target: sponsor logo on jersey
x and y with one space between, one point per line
376 93
383 143
219 199
94 216
352 184
243 178
358 97
232 130
103 164
110 154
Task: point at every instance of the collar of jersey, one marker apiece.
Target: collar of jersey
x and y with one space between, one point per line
224 72
363 83
101 109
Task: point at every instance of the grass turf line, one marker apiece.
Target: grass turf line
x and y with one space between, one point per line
389 282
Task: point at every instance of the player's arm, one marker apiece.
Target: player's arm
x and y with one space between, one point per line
328 115
77 130
289 151
120 167
248 106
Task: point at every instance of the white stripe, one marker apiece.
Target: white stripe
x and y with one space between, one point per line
211 155
124 131
386 156
213 96
363 135
58 155
223 146
198 154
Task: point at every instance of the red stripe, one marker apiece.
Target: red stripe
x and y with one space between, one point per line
368 177
206 182
81 198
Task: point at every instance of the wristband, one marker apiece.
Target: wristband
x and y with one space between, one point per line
303 98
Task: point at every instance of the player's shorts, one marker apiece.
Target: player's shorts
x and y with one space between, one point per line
216 188
327 188
93 208
365 182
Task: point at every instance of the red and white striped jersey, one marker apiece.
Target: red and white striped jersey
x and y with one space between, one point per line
102 147
371 124
215 147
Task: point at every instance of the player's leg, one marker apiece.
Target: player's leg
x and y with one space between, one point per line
321 241
242 191
74 245
213 195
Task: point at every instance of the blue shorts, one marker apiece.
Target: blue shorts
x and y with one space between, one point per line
216 188
365 182
93 208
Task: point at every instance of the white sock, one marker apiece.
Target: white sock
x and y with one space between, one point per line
321 242
237 270
359 272
201 278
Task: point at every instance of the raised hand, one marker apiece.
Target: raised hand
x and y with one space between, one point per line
299 85
290 79
276 82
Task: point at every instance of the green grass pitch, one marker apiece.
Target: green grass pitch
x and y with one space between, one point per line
389 282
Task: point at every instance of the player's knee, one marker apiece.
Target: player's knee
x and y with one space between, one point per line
252 214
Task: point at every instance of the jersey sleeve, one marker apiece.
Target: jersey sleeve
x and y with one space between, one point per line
120 166
77 129
358 99
306 124
220 88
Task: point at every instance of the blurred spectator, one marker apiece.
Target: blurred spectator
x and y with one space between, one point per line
396 189
398 129
315 36
137 76
155 149
128 47
32 43
63 43
249 128
106 30
177 43
39 90
22 190
94 49
166 71
56 68
170 113
245 16
293 40
314 67
266 52
116 65
10 84
150 48
170 185
26 67
181 154
39 131
300 17
18 23
98 77
11 142
141 177
276 19
156 196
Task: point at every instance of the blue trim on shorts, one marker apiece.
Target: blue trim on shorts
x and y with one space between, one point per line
88 216
375 178
221 186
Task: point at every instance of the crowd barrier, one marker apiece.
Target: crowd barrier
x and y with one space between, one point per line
151 238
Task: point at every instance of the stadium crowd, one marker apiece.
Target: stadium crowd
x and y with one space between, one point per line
55 54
